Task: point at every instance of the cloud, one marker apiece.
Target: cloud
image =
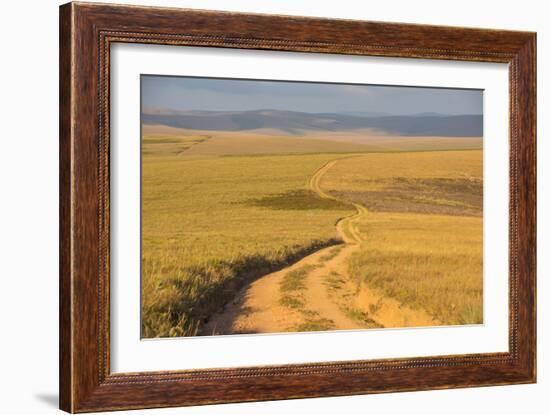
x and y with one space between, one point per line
190 93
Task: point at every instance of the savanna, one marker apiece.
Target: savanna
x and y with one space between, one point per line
290 227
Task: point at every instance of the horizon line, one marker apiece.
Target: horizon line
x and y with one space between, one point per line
148 109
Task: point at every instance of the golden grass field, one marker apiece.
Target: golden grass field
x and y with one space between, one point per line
205 225
424 231
220 211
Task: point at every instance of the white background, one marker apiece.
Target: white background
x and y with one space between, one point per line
28 217
129 354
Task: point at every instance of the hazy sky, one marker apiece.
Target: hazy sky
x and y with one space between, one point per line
208 94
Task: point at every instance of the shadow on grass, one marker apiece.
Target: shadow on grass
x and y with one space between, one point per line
205 290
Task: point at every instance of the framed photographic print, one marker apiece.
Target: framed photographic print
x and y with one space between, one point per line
260 207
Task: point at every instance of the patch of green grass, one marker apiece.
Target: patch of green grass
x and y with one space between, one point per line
310 314
321 324
332 253
295 280
297 200
291 302
375 308
361 317
334 281
292 283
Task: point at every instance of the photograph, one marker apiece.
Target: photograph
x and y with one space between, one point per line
260 204
272 206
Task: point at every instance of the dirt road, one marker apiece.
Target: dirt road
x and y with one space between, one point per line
316 293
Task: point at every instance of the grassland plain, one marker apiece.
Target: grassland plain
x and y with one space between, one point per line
424 230
215 220
207 229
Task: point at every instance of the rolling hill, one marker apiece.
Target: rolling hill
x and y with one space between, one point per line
300 123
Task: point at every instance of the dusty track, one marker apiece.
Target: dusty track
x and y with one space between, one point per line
326 298
346 227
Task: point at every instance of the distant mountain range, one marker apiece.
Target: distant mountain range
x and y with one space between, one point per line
299 123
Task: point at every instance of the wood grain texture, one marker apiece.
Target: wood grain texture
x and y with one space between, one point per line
65 247
86 33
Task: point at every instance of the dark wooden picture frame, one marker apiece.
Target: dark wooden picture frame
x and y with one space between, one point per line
86 33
